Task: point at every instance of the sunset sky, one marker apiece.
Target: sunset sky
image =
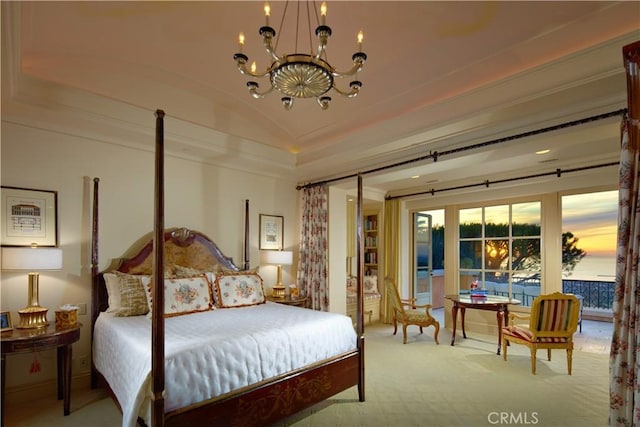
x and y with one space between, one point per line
591 217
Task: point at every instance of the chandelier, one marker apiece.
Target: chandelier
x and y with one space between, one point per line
300 75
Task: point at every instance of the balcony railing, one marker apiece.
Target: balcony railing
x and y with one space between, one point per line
596 295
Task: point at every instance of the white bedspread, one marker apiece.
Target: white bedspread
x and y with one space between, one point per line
211 353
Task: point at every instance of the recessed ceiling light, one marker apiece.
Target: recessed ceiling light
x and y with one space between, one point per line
415 177
543 151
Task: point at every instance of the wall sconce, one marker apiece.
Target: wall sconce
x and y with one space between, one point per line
32 259
278 258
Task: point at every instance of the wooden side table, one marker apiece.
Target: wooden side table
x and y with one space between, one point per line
296 301
496 303
28 340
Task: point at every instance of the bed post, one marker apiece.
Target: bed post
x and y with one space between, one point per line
157 278
245 257
94 275
360 291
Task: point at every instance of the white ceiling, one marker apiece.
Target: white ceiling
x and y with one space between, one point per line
439 75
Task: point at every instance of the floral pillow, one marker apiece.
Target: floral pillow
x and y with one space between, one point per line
352 282
183 272
184 295
370 284
238 289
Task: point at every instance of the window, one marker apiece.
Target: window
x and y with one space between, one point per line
500 249
589 229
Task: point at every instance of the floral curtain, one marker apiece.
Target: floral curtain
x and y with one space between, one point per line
312 262
624 387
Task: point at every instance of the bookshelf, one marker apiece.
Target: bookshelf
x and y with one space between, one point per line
371 240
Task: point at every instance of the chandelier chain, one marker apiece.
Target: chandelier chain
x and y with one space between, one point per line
286 6
309 26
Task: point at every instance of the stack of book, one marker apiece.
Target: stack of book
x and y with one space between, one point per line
478 293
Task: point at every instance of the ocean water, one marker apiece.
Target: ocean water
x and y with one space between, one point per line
599 268
591 267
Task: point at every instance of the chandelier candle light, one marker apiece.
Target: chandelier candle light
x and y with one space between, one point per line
300 75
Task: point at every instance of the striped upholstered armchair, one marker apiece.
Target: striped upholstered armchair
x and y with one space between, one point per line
552 323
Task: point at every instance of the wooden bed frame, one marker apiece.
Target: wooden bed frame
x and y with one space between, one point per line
259 404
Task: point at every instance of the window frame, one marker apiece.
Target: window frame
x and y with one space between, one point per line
480 270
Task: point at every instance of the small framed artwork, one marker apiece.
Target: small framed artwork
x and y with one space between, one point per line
5 321
271 232
29 217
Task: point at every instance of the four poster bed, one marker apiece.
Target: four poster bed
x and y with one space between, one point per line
219 357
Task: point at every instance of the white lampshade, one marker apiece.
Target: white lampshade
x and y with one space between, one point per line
31 259
277 257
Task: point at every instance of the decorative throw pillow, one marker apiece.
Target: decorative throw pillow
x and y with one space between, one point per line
210 272
187 295
146 284
133 298
352 282
370 284
112 282
238 289
184 295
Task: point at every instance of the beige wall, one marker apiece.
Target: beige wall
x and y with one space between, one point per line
205 196
337 250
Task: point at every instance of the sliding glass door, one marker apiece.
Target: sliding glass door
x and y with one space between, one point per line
423 258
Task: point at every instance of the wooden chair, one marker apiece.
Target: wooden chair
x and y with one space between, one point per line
407 312
552 323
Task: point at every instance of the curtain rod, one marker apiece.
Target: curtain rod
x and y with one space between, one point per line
435 154
558 172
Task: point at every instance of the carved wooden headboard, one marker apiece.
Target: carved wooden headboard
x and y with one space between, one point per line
184 247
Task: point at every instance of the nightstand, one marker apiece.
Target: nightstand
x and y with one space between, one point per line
297 301
29 340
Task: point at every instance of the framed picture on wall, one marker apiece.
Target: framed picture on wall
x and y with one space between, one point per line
5 321
271 232
29 217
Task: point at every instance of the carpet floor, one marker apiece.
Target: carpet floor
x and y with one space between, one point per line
416 384
423 384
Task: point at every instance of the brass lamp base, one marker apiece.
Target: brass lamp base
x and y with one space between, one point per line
33 317
278 291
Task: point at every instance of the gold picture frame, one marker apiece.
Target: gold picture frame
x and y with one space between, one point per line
29 217
5 321
271 232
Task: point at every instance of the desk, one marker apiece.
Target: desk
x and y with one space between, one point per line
491 302
29 340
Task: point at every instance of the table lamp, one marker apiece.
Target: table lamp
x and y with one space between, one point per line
32 259
278 258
